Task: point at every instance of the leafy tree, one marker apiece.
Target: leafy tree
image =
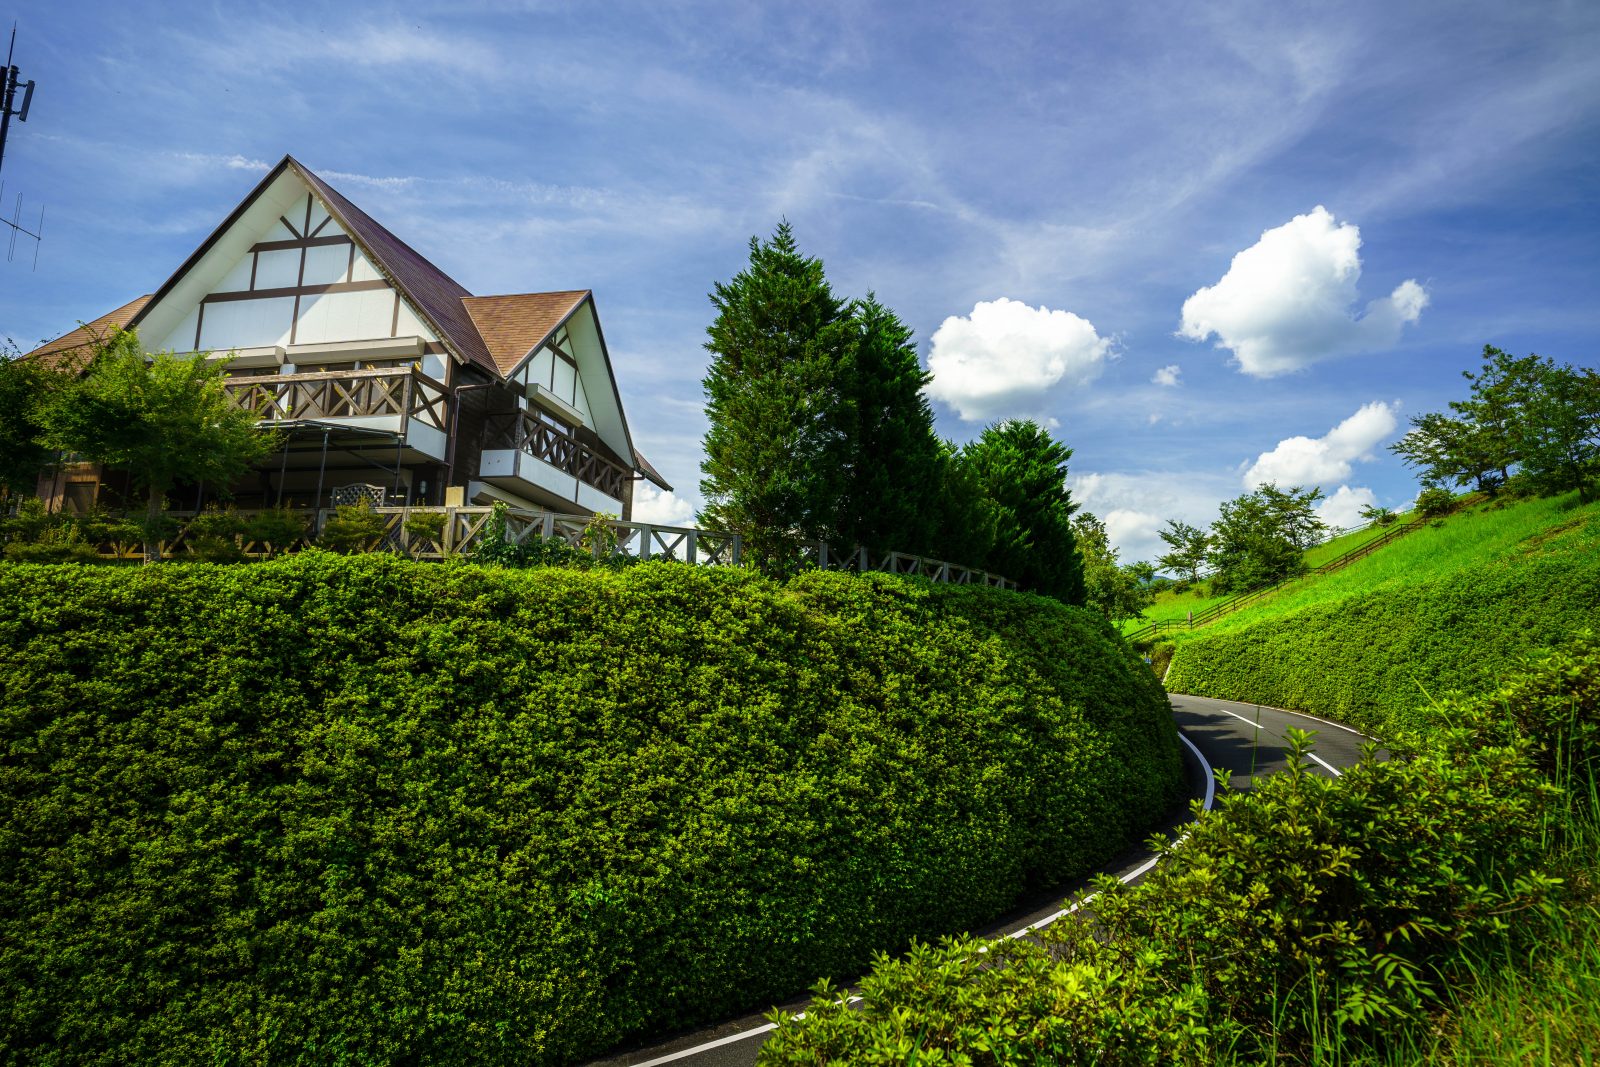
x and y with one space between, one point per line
1117 592
1379 516
895 456
1259 537
1453 451
1189 547
777 450
1022 471
26 389
1294 511
1558 432
164 418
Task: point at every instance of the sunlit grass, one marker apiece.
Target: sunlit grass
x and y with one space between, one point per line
1484 536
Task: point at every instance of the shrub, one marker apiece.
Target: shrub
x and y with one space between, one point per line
367 809
426 527
1435 502
61 543
275 529
353 528
214 535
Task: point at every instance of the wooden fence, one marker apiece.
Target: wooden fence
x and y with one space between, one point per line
464 529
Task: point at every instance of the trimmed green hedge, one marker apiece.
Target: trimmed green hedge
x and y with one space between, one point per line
1372 659
365 810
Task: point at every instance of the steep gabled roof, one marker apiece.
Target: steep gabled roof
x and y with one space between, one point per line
436 295
71 349
514 325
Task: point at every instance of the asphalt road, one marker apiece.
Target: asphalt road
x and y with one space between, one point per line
1245 739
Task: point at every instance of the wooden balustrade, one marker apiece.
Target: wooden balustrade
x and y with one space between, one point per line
395 392
465 528
525 432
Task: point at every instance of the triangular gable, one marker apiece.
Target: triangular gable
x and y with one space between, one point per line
435 294
296 263
513 326
553 341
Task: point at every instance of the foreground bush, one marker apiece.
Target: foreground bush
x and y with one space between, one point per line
1298 922
366 810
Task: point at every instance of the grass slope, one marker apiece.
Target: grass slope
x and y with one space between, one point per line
1170 606
1446 608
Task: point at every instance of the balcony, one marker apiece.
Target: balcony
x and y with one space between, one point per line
401 401
523 448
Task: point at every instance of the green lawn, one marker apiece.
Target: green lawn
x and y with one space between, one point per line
1171 606
1487 534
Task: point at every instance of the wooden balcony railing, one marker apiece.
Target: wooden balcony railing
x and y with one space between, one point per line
525 432
402 392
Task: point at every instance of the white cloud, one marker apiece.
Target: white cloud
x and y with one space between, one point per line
1307 461
1003 358
660 507
1343 508
1168 375
1286 301
1135 505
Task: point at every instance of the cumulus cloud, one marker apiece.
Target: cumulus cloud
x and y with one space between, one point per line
1323 460
1168 375
1343 508
1287 301
1001 360
1135 505
660 507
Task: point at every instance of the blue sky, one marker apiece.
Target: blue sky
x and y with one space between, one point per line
1318 215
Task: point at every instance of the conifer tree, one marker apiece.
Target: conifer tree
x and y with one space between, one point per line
777 448
1023 472
895 464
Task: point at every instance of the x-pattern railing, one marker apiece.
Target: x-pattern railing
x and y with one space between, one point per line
465 528
402 392
524 432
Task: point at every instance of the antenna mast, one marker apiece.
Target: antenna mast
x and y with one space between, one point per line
9 78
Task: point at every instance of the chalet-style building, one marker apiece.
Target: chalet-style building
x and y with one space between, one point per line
387 379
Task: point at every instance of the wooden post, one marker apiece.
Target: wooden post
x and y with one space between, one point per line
692 548
738 549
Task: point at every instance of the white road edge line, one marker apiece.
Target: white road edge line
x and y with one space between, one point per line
1330 768
1287 711
1211 796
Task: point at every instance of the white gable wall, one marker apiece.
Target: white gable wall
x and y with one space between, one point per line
228 265
604 410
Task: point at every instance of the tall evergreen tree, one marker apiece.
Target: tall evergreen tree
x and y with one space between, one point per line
894 452
1023 472
777 450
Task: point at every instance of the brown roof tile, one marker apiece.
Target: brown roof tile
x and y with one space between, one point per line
511 326
71 350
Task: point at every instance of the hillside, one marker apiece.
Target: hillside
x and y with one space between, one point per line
1445 608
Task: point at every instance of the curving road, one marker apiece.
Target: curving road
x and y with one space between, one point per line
1244 739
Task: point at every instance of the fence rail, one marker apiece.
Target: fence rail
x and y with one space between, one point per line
464 529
